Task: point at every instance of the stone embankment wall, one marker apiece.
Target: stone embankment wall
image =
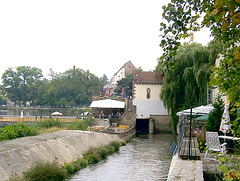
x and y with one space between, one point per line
161 123
66 146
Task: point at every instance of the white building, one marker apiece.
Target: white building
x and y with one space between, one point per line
146 98
127 68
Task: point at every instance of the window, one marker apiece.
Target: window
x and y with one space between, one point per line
148 93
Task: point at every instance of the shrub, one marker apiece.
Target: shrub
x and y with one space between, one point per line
116 145
16 131
230 166
92 156
80 124
79 164
215 116
70 168
46 171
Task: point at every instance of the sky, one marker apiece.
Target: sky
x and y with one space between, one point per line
94 35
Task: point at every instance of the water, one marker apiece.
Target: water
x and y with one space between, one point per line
145 157
38 112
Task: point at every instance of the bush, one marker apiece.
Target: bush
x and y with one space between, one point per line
215 116
70 168
80 163
46 171
16 131
80 124
92 156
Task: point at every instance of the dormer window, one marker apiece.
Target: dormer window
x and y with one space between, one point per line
148 93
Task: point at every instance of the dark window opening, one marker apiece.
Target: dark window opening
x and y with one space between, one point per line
148 93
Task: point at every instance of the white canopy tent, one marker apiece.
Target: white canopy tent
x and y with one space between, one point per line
201 110
107 103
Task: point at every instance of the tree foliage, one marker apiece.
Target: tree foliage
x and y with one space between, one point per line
186 84
215 116
125 83
182 18
21 84
73 87
223 19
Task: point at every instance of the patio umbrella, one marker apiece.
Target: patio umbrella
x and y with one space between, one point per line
225 126
107 92
56 114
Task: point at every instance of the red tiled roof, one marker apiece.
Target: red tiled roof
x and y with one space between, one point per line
147 78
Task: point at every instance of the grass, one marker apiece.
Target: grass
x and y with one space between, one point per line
49 130
23 129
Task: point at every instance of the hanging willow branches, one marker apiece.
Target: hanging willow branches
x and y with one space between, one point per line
185 83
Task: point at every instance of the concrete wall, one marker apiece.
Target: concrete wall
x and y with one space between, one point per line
145 108
66 146
161 123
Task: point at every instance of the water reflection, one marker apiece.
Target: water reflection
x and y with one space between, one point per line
145 157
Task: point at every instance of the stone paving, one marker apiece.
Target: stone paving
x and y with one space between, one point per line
185 170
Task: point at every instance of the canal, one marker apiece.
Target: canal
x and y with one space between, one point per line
145 157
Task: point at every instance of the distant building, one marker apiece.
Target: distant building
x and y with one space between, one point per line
146 98
127 68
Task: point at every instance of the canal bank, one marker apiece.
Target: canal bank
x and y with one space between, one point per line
144 157
64 147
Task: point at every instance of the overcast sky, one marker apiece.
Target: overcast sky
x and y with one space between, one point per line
95 35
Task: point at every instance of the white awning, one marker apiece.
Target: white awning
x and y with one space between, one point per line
201 110
107 103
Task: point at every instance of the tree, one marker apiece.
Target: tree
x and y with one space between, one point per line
104 79
125 83
186 85
3 101
223 19
22 83
11 85
73 87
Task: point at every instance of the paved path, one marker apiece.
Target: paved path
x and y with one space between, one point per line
185 170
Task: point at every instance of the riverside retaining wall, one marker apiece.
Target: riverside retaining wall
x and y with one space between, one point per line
65 146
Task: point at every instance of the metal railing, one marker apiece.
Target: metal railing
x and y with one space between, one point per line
182 124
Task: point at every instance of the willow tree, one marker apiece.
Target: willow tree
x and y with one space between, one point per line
186 84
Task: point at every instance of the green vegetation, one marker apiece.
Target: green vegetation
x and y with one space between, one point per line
52 171
185 85
16 131
215 116
230 166
80 124
46 171
181 19
49 123
74 87
22 129
125 83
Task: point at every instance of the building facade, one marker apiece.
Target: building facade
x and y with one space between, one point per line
146 98
127 68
